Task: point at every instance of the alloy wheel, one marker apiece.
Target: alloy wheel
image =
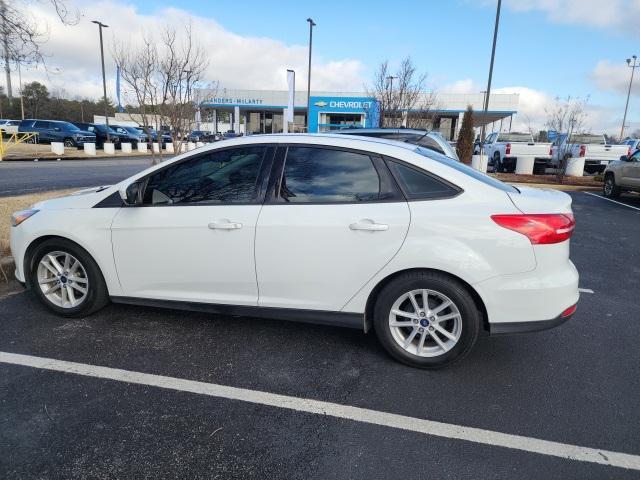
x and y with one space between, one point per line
62 279
425 323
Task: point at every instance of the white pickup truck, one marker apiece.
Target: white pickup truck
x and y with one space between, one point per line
503 149
595 149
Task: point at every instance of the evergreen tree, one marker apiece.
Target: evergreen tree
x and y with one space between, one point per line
464 146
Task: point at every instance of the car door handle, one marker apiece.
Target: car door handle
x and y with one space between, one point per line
225 225
369 225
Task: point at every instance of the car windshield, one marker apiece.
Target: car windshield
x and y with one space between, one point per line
467 170
588 139
515 137
66 126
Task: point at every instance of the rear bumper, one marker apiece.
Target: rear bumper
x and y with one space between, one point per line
508 328
529 301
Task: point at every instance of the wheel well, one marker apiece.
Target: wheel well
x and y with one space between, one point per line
371 301
28 255
609 174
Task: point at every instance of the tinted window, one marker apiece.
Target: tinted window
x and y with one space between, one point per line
467 170
329 176
226 176
41 124
419 184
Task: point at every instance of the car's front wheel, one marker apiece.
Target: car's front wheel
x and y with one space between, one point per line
426 319
67 279
610 189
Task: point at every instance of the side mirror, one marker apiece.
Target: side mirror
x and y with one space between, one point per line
131 194
57 129
624 158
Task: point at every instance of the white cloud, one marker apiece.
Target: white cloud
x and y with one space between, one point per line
466 85
533 105
236 61
610 77
593 13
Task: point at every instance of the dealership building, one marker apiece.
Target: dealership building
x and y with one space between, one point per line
262 111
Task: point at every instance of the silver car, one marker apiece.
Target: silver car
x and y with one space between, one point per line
622 175
424 138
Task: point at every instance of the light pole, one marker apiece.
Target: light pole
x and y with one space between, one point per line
311 25
626 107
104 81
390 79
20 85
493 55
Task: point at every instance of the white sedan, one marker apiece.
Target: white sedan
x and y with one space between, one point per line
348 231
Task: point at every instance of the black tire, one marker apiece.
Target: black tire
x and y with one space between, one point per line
609 188
68 142
498 166
443 284
97 295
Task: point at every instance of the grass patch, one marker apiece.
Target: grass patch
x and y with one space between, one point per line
8 205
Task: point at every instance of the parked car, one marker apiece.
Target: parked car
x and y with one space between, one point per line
129 134
9 126
622 175
335 229
57 131
595 149
503 149
100 131
632 143
165 138
229 134
427 139
200 136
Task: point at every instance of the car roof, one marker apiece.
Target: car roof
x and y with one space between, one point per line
354 131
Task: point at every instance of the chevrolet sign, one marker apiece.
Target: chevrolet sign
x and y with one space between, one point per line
321 104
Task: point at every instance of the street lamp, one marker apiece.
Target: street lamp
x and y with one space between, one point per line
626 107
104 81
390 79
311 25
493 54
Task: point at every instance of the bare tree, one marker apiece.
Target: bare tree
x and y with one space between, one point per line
159 77
401 96
22 36
566 116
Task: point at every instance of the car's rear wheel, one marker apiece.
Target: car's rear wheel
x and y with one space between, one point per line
610 189
66 279
426 319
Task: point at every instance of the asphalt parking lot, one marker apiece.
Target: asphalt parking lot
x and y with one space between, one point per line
576 385
21 177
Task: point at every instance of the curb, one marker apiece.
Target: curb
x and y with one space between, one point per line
60 159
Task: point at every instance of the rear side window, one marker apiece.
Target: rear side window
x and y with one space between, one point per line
420 185
41 124
467 170
322 175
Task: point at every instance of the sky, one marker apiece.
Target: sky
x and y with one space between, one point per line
546 48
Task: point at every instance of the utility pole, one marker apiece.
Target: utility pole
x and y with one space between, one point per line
20 85
493 55
390 79
5 43
626 107
104 81
311 25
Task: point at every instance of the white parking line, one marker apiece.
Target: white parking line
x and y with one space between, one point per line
418 425
614 201
585 290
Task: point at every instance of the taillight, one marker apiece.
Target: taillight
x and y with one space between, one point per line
583 150
569 311
629 151
540 229
508 149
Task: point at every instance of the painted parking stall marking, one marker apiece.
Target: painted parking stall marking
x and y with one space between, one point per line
317 407
585 290
610 200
